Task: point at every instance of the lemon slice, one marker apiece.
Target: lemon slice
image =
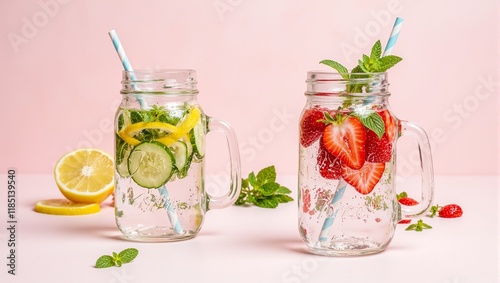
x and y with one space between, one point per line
65 207
85 175
187 124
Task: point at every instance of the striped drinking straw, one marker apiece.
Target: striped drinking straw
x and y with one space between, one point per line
394 36
125 62
341 186
323 235
172 215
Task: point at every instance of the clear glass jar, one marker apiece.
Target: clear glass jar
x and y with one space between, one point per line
347 165
160 134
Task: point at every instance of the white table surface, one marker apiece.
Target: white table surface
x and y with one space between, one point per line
250 244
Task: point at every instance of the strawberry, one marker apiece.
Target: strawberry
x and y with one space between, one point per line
407 201
450 211
404 221
311 126
365 179
377 150
345 138
389 123
329 165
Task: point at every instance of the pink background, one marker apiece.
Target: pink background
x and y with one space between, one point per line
61 76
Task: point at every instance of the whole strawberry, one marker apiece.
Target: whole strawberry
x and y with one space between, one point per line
311 126
447 211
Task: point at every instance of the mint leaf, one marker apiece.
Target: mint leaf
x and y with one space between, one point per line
420 226
337 66
376 50
283 190
373 122
104 261
387 62
263 190
127 255
283 198
266 175
267 202
401 195
269 189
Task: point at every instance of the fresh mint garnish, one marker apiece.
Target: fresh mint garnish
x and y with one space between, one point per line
125 256
262 190
375 63
420 226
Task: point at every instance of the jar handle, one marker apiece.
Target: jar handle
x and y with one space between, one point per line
216 202
427 171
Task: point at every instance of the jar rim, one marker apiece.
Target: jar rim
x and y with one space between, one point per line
332 83
166 81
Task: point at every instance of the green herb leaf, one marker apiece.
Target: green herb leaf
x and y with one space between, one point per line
267 175
387 62
127 255
337 66
420 226
374 122
376 50
104 261
434 210
263 190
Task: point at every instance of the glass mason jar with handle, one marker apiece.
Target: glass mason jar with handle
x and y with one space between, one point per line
160 134
347 165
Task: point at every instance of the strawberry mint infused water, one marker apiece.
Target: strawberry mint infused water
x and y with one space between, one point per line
348 134
160 150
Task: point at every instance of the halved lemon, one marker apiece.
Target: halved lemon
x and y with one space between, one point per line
66 207
85 175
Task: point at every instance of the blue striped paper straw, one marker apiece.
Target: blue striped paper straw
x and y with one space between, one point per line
323 235
172 215
394 36
125 62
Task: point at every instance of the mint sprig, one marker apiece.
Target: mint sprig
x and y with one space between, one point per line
125 256
420 226
262 190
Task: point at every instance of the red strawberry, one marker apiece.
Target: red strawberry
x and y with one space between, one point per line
310 128
404 221
329 165
377 150
389 123
365 179
345 138
450 211
408 201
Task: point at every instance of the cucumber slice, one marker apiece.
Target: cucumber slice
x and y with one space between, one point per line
197 136
180 151
181 173
151 164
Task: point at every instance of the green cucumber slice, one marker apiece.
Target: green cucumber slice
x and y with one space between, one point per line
151 164
180 151
197 136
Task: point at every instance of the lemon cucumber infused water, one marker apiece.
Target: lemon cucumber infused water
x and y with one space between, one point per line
159 149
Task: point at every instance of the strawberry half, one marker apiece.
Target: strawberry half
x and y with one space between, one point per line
377 150
345 138
311 126
365 179
329 165
389 123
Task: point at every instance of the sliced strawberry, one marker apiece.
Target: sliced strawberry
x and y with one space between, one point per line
389 123
329 165
365 179
408 201
345 138
311 127
377 150
404 221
